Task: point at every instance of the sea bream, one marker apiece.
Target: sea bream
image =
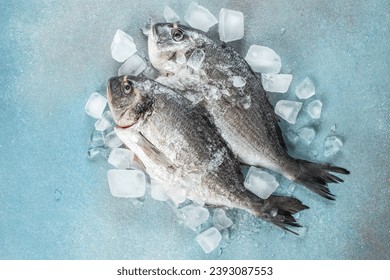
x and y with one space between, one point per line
233 95
178 144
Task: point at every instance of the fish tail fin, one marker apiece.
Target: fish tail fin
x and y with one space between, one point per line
279 210
316 176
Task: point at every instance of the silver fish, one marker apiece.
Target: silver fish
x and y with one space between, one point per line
178 144
242 113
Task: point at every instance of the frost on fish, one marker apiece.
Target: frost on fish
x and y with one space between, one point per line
216 160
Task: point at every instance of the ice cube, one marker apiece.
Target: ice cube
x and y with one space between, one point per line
263 59
196 59
104 122
97 139
307 134
94 153
194 216
238 81
95 105
292 136
177 194
122 46
276 82
221 221
112 140
158 190
305 89
288 110
332 145
231 25
133 66
260 182
170 15
126 183
314 109
209 239
290 189
121 158
199 17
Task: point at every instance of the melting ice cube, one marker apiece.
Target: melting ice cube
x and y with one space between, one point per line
221 221
134 66
126 183
292 136
122 46
307 134
95 105
332 145
194 215
196 59
305 89
209 239
260 182
158 190
238 81
97 139
93 153
314 109
263 59
170 15
104 122
121 158
276 82
288 110
231 25
199 17
112 140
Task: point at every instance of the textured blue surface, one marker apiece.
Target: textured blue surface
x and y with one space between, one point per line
55 53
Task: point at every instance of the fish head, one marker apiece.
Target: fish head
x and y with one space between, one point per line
167 42
129 98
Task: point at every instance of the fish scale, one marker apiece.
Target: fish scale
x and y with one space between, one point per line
176 141
250 129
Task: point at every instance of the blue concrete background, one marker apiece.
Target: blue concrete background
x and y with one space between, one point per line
55 53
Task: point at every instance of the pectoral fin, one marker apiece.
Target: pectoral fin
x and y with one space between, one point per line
151 151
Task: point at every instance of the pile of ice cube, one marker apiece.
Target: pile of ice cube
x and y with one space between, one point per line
128 181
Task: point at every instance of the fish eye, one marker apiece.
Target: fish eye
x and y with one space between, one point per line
127 88
177 35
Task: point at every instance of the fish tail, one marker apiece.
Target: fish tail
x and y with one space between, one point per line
279 210
316 176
